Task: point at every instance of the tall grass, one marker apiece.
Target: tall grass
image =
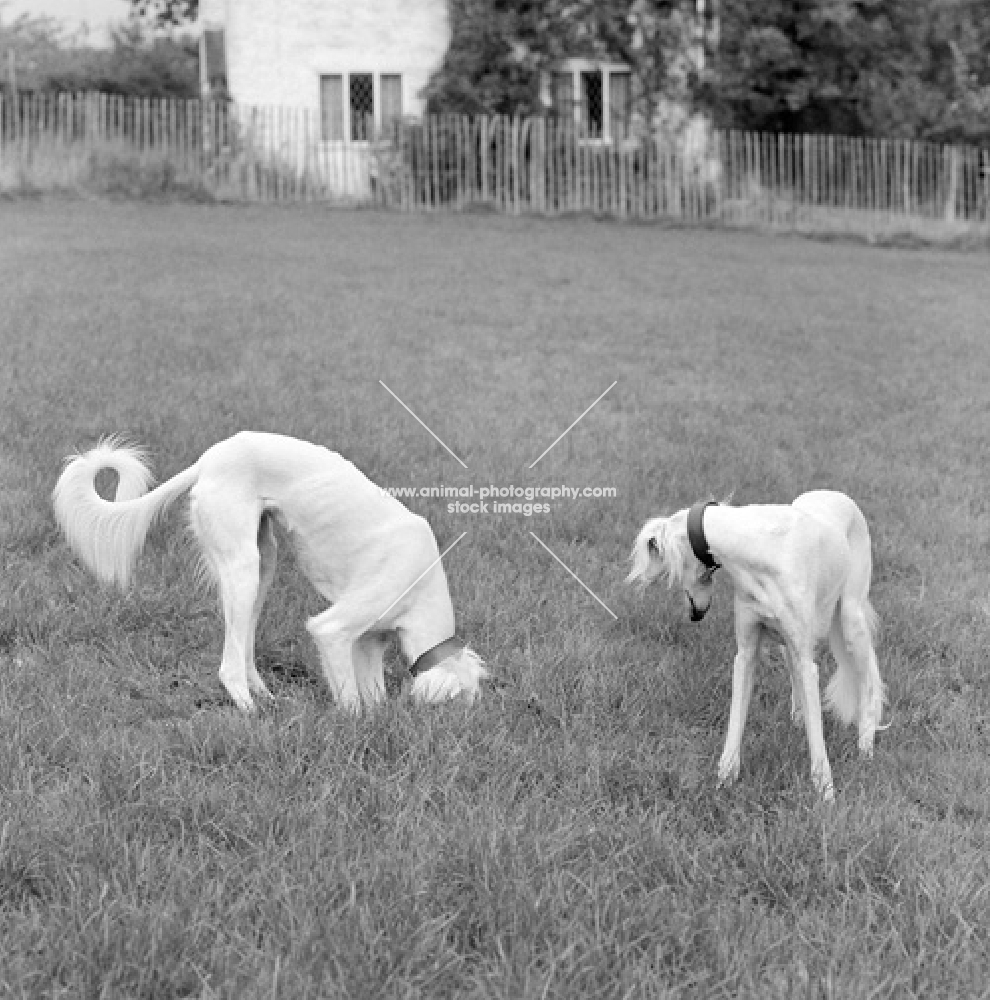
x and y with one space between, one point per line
563 838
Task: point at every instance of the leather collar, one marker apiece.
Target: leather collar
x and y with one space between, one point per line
696 535
439 652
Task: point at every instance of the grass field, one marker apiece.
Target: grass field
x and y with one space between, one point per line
562 838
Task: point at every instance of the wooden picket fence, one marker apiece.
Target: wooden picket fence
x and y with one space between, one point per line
539 164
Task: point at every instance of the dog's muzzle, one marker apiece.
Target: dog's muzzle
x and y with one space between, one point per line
696 613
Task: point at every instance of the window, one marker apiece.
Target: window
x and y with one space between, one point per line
598 97
213 63
391 85
619 104
331 107
592 104
362 94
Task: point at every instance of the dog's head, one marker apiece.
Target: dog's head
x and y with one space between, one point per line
458 676
662 549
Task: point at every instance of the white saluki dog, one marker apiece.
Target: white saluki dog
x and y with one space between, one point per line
801 572
360 548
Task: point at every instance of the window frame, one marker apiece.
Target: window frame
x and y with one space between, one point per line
332 119
339 124
576 69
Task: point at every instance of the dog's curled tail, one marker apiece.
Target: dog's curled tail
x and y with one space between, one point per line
108 536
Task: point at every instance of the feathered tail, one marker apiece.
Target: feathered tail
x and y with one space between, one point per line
108 536
845 689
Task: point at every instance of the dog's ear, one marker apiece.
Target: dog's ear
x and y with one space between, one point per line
647 562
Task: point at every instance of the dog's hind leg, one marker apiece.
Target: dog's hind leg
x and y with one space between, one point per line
227 532
369 667
797 695
806 675
748 636
238 591
268 552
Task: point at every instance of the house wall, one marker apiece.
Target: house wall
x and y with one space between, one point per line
277 51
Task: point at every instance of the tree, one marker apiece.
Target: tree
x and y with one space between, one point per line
135 65
167 12
500 47
661 41
38 47
47 59
913 68
493 62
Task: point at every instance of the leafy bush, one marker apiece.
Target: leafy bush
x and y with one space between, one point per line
136 63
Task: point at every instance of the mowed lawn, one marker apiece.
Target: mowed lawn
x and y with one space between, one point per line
563 837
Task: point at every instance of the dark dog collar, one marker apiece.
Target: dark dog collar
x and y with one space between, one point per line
439 652
696 535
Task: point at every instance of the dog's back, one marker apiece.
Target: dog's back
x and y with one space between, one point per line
842 514
334 516
285 474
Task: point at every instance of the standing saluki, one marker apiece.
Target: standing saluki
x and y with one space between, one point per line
801 572
360 548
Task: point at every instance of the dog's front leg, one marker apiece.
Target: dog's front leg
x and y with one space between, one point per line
335 644
369 667
748 634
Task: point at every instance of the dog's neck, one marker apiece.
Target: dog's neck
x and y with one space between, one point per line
696 535
435 655
745 554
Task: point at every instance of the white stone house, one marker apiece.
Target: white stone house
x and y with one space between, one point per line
359 63
356 66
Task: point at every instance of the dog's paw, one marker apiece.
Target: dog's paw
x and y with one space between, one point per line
245 703
823 782
728 771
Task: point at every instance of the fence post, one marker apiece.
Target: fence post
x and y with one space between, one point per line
952 156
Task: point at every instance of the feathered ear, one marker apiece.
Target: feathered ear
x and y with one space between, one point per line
660 550
647 562
459 675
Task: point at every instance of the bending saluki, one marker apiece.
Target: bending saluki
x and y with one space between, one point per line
801 572
360 548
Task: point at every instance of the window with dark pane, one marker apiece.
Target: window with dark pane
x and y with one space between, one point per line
592 104
362 106
331 107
